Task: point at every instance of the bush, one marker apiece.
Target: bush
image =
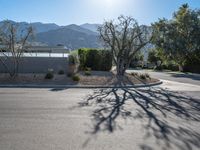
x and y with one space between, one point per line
87 73
95 59
106 60
75 78
172 66
158 68
134 74
142 76
82 54
61 72
147 75
88 69
49 75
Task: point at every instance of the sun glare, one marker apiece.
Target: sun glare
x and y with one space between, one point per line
108 8
108 2
105 3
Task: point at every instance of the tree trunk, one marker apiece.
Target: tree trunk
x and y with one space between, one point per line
121 67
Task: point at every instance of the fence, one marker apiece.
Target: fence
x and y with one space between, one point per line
36 54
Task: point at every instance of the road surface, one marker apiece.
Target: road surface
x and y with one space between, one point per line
172 76
162 117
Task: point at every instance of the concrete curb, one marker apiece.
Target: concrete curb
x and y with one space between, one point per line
77 86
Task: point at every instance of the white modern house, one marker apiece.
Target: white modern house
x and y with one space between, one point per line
47 49
37 59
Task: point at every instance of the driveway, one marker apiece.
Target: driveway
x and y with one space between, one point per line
190 78
162 117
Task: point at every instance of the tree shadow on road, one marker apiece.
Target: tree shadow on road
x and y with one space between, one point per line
185 75
166 114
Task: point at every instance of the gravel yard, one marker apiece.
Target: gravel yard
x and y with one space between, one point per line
96 78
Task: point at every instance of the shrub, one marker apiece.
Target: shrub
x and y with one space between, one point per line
173 67
134 74
95 59
87 73
88 69
61 72
49 75
143 76
164 66
147 75
158 68
75 78
82 54
106 60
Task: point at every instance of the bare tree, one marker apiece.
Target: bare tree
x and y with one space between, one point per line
125 38
14 44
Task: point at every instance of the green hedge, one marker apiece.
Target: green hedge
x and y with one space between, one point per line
95 59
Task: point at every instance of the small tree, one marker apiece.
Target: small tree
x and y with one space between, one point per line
125 38
13 44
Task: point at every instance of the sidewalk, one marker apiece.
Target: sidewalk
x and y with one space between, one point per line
177 86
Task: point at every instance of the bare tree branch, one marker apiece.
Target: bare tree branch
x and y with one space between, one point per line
125 38
14 45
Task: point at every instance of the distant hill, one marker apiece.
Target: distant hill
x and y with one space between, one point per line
37 26
92 27
44 27
71 36
80 29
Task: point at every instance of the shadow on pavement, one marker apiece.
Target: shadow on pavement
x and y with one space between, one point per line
184 75
158 107
57 89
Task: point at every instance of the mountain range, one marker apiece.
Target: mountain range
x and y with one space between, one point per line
72 36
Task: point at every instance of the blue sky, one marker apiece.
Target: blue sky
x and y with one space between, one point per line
65 12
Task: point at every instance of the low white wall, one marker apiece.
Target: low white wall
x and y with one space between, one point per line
38 64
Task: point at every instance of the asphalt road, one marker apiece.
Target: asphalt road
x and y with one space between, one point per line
173 76
164 117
